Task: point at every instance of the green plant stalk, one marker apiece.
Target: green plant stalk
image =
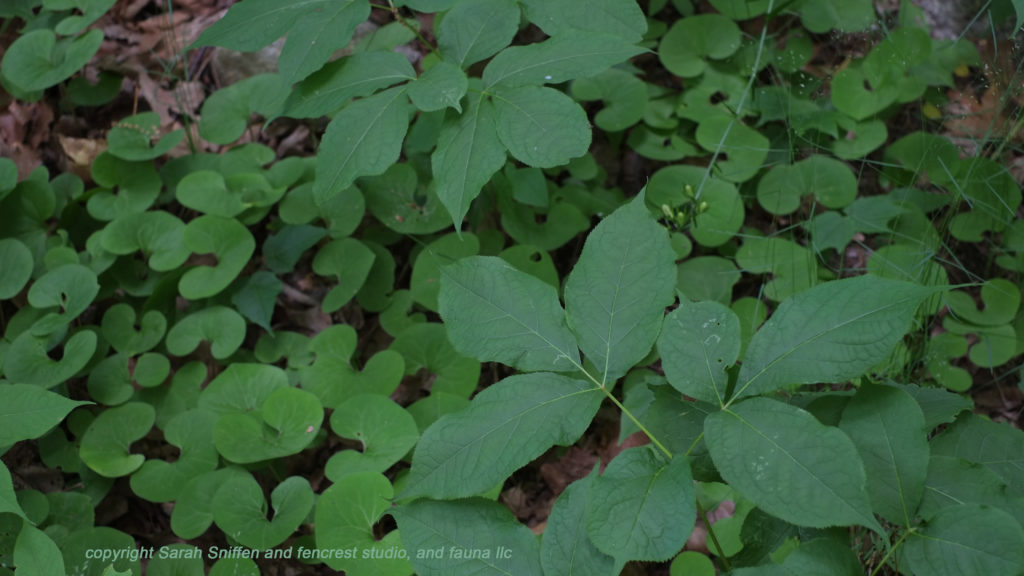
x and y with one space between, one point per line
891 551
394 12
714 539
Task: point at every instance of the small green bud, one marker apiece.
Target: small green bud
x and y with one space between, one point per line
666 211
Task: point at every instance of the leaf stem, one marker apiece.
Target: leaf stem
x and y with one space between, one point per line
415 30
714 539
892 550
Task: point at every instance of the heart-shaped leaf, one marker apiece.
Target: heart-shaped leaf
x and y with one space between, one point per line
228 240
348 260
222 327
193 510
37 60
128 337
745 149
17 263
105 444
426 347
239 509
690 40
386 431
27 361
401 203
345 516
160 481
157 234
70 289
135 138
333 377
226 113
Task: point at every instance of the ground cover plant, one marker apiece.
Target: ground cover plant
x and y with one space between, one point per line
520 287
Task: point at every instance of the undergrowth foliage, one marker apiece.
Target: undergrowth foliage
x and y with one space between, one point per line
790 310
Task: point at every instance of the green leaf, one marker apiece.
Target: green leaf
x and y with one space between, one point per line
426 347
157 234
642 507
966 540
83 93
698 342
821 16
283 250
887 427
229 240
316 34
566 56
135 138
616 295
676 186
239 509
106 443
17 263
160 481
794 267
1000 299
207 192
37 60
70 289
707 278
333 377
832 183
226 113
541 126
533 261
622 18
468 452
364 139
27 361
36 554
193 511
176 560
999 447
28 412
789 464
222 327
829 334
477 29
441 87
624 96
468 153
823 556
355 76
399 201
348 260
497 313
252 24
857 96
8 501
954 481
690 40
473 537
745 147
119 329
257 298
566 550
345 517
386 431
260 416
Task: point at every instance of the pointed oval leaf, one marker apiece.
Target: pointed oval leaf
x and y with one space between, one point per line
789 464
476 29
566 549
967 540
504 428
622 18
698 342
316 34
251 25
616 296
642 507
831 333
570 54
28 412
887 427
473 537
364 139
497 313
355 76
468 153
541 126
438 88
